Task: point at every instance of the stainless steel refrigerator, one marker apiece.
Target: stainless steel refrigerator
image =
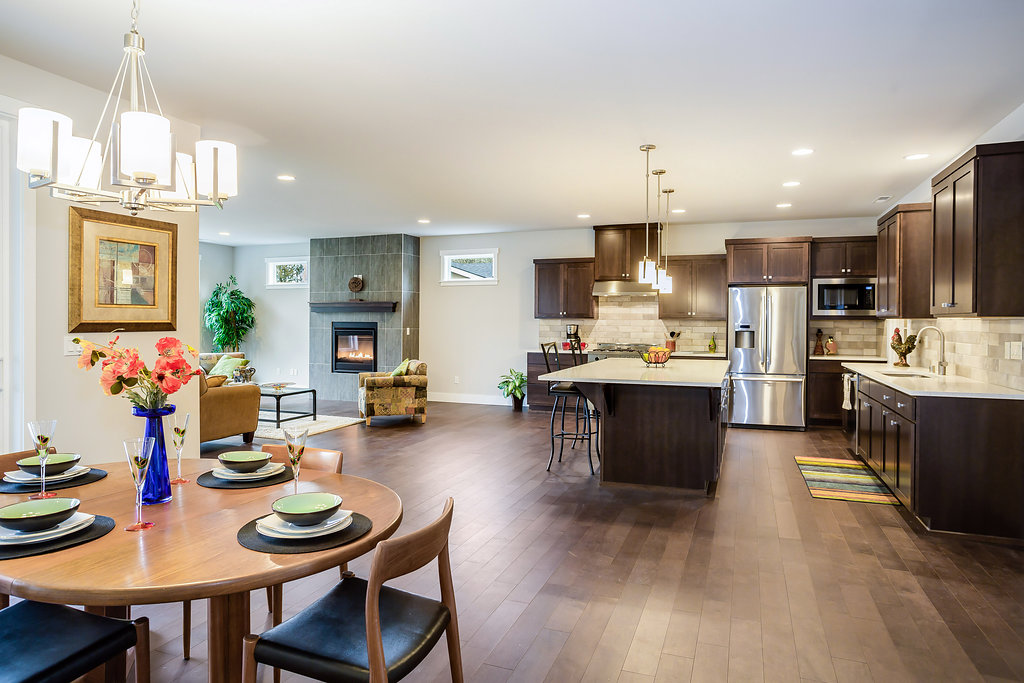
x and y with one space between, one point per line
767 340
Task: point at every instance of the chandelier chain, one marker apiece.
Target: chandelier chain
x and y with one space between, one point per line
135 16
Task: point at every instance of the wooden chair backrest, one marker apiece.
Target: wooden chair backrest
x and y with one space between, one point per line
399 556
320 459
8 460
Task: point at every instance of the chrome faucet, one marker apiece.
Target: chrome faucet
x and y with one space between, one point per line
942 346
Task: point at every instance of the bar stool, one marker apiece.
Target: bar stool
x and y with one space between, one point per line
563 391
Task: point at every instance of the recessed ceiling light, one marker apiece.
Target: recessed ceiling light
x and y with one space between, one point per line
678 210
791 183
802 152
423 220
883 198
915 157
288 178
583 215
225 234
784 205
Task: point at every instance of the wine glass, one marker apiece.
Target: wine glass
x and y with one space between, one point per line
42 433
139 452
295 442
179 443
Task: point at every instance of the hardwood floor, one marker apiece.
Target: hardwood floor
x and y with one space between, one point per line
559 579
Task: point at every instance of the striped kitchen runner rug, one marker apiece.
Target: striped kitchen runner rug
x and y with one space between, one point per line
841 479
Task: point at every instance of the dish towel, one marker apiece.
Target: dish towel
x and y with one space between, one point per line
847 381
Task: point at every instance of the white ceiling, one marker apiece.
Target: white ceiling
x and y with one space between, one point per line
520 114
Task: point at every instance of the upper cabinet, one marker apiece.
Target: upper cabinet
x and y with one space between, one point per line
563 288
903 253
619 248
699 288
843 257
977 233
767 261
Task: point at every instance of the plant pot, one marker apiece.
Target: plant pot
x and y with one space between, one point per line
517 404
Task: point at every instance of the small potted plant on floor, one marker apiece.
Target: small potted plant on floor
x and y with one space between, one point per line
513 384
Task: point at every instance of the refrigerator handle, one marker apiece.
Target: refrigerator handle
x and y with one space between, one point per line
767 331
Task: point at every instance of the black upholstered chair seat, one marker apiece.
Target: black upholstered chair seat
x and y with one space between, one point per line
327 640
563 388
46 643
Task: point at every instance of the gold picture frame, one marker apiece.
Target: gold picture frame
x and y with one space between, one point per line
122 273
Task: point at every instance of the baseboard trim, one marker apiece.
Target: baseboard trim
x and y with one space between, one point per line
479 399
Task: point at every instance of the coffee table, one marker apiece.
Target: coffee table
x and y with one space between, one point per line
277 395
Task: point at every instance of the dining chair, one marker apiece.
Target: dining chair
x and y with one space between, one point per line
8 464
362 630
320 459
45 643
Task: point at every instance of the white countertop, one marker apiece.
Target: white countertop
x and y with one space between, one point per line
699 354
677 372
919 382
852 359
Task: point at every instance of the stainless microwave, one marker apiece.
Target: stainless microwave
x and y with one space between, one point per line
843 296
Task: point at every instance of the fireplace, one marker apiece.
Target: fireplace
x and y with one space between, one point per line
355 347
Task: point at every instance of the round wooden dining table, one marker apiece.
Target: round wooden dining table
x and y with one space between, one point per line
191 553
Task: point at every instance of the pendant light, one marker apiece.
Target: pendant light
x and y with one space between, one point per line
139 150
664 279
646 269
658 271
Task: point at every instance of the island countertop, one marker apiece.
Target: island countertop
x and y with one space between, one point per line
677 372
919 382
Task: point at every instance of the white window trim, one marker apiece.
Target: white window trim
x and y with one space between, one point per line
272 264
446 254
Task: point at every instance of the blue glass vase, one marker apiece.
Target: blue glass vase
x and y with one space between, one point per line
158 482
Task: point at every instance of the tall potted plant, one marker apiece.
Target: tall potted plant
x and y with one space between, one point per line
230 315
513 384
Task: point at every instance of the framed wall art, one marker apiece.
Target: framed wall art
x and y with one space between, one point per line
287 272
122 273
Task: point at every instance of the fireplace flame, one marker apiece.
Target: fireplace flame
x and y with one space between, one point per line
354 355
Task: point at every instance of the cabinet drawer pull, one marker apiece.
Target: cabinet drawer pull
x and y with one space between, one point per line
900 405
892 423
886 397
769 277
865 404
949 305
764 277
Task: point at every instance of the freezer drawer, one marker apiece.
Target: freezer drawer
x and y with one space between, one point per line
772 401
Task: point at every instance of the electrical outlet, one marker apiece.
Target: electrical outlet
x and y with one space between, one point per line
456 379
70 347
408 331
1015 350
277 372
293 372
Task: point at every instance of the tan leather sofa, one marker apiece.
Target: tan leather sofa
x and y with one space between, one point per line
226 410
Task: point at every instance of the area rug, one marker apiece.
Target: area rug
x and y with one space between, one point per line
324 423
840 479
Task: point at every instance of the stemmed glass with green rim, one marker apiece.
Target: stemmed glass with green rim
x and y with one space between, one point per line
178 439
42 434
139 452
295 443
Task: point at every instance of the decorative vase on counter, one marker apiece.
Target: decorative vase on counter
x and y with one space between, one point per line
830 346
712 345
158 483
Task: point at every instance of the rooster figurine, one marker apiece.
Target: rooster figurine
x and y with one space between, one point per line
902 348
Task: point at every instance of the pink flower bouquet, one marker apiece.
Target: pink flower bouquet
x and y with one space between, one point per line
124 372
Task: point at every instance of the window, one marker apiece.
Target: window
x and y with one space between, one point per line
287 272
469 267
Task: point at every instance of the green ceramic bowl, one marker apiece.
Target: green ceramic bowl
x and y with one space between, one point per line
36 515
244 461
56 463
306 509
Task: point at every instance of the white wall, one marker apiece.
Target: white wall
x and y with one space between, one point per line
88 422
216 263
280 343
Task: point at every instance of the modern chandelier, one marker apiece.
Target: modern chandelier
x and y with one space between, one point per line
139 151
646 269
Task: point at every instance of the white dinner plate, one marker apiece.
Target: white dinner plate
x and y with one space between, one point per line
20 477
273 527
268 470
75 522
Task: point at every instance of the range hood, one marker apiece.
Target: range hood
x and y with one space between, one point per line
623 288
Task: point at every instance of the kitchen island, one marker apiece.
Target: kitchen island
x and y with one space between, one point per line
660 426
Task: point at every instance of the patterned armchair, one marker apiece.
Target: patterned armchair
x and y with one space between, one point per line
382 394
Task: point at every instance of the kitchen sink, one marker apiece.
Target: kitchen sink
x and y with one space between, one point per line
905 374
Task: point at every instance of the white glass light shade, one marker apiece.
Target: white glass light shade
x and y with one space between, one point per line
646 270
227 168
184 176
35 139
145 147
665 284
80 163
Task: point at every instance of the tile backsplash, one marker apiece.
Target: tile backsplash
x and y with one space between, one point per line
634 320
853 337
975 347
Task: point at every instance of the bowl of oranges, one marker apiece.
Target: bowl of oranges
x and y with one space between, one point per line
655 355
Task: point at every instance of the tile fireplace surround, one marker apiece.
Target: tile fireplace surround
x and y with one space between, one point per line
390 268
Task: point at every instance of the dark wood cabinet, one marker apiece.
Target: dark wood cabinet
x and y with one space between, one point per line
619 248
563 288
770 260
699 288
869 425
537 396
978 233
904 262
844 256
898 460
825 391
